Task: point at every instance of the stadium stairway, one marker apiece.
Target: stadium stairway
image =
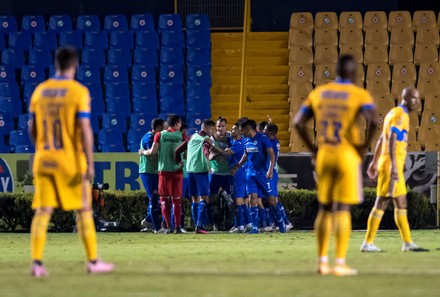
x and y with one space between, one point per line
266 78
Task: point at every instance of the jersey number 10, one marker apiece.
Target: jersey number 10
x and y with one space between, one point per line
57 139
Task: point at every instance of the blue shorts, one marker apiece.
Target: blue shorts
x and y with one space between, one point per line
151 182
256 183
274 184
239 182
185 188
198 184
218 181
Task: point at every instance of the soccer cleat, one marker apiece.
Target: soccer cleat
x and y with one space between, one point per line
161 231
289 226
144 223
168 231
253 231
209 228
369 248
344 270
99 267
38 270
241 229
324 268
201 231
412 247
266 229
248 227
182 230
233 230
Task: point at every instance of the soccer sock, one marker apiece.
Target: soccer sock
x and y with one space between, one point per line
195 211
323 229
283 213
278 218
342 221
177 213
182 217
148 217
239 216
39 226
401 219
172 217
210 213
236 216
155 213
269 216
87 233
166 210
246 214
254 217
373 224
201 215
262 216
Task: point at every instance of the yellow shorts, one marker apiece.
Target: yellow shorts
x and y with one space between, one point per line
61 191
388 188
339 176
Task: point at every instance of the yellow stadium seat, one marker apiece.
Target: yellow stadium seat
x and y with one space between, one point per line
301 37
320 82
296 144
376 136
378 71
299 90
384 102
400 53
301 55
326 36
399 19
432 102
350 20
425 53
375 36
414 146
427 36
325 72
412 135
378 86
375 20
300 73
354 50
428 132
326 54
301 20
429 70
430 118
404 71
428 87
376 54
328 20
424 19
432 146
414 119
398 85
351 37
360 73
402 36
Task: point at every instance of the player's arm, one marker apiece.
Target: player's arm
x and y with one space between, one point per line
154 148
243 160
392 149
271 153
32 129
372 168
369 112
224 153
87 140
300 120
179 150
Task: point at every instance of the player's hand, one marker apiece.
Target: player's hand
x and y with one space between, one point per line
181 164
208 140
372 170
140 152
394 173
234 170
90 173
269 174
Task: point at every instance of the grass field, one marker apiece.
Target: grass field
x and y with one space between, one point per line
218 265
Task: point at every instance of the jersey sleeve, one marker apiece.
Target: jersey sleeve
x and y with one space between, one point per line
34 98
366 101
84 102
237 147
266 143
157 138
307 106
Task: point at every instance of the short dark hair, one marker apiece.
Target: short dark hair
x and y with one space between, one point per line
262 125
209 123
173 119
346 66
249 123
272 129
222 119
66 58
241 120
183 127
156 122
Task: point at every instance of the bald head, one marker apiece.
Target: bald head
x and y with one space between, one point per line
346 67
411 98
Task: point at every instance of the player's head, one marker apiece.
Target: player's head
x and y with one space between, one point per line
66 61
157 124
248 128
174 122
221 125
183 128
411 98
242 120
235 131
271 130
346 67
261 125
208 126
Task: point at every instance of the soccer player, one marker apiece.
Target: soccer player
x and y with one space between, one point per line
170 171
261 126
335 107
63 164
388 162
148 174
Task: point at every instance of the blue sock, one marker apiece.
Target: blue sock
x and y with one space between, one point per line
254 217
148 212
239 216
236 216
262 216
172 217
279 219
269 217
210 214
195 211
246 214
182 220
155 213
201 214
283 213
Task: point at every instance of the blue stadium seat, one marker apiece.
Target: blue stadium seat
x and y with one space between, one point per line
10 106
8 24
97 99
194 122
172 39
146 57
52 71
171 90
115 74
96 40
116 22
88 23
142 22
119 57
113 148
72 38
33 23
18 137
144 90
134 138
201 90
32 74
199 74
7 74
2 138
169 22
20 40
45 40
2 42
13 58
143 74
94 121
6 123
10 90
40 57
109 136
198 39
118 90
198 105
25 149
28 89
141 121
4 149
171 74
171 56
174 105
93 57
88 75
59 23
145 105
147 39
23 121
198 56
122 40
114 121
197 22
120 106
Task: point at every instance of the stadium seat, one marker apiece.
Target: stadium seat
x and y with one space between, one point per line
122 40
13 58
10 105
169 22
2 42
28 90
10 90
198 56
328 20
146 57
7 74
425 53
88 23
427 36
96 40
116 22
113 148
429 70
94 121
93 57
8 24
376 37
32 74
143 74
115 122
88 75
326 36
171 90
59 23
144 90
300 37
398 85
194 122
120 106
298 90
18 137
147 39
118 90
25 149
198 38
432 146
96 96
384 102
23 121
429 118
350 20
6 123
198 105
141 121
325 54
428 132
145 105
45 40
199 90
52 70
40 57
355 50
119 57
302 20
171 56
20 40
199 74
428 87
296 144
325 72
351 37
375 20
400 53
402 36
432 102
301 55
172 105
109 136
171 74
424 19
142 22
300 73
33 23
173 39
404 71
4 149
199 22
115 74
400 20
134 138
378 86
71 38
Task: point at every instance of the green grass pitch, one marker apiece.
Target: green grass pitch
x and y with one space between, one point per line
218 265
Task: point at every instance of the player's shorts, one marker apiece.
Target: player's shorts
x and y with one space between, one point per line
68 192
185 188
339 176
387 187
218 181
257 183
198 184
274 184
150 181
239 184
170 184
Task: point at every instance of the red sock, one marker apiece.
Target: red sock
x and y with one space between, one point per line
166 210
177 212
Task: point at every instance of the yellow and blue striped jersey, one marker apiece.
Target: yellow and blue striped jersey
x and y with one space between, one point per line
397 121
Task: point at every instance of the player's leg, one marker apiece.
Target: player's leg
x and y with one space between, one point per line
323 229
262 213
177 203
153 181
252 190
202 182
165 191
373 223
147 217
